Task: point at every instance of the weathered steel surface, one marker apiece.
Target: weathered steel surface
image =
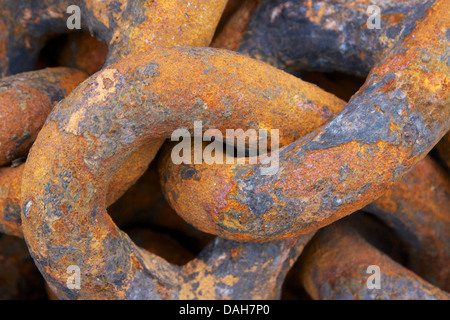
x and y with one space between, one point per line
443 148
203 13
100 139
334 266
126 26
11 181
22 35
324 35
417 207
19 277
25 101
387 127
89 148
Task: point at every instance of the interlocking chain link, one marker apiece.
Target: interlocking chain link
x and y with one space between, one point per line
102 131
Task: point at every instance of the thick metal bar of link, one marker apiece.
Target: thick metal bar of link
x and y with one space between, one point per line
387 127
150 95
335 265
11 181
305 109
322 35
25 101
417 207
126 26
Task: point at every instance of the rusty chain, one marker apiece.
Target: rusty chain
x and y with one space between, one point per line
339 279
318 35
385 129
335 158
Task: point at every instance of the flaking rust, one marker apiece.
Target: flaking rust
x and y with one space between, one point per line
334 267
25 101
80 179
97 18
417 207
386 128
126 27
157 76
131 279
318 35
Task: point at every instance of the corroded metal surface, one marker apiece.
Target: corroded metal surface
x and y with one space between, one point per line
334 266
323 35
334 158
417 207
83 171
387 127
190 34
231 7
126 26
11 181
25 101
143 275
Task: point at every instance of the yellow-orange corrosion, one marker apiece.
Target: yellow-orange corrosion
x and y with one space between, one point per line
335 265
25 101
340 167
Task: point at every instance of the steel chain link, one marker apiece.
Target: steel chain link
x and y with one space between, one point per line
95 135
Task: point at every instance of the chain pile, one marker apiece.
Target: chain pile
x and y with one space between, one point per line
85 124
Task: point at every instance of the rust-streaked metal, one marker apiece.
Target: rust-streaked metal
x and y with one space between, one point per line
11 181
87 149
319 35
417 207
197 30
140 100
334 267
25 101
126 26
386 128
443 148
